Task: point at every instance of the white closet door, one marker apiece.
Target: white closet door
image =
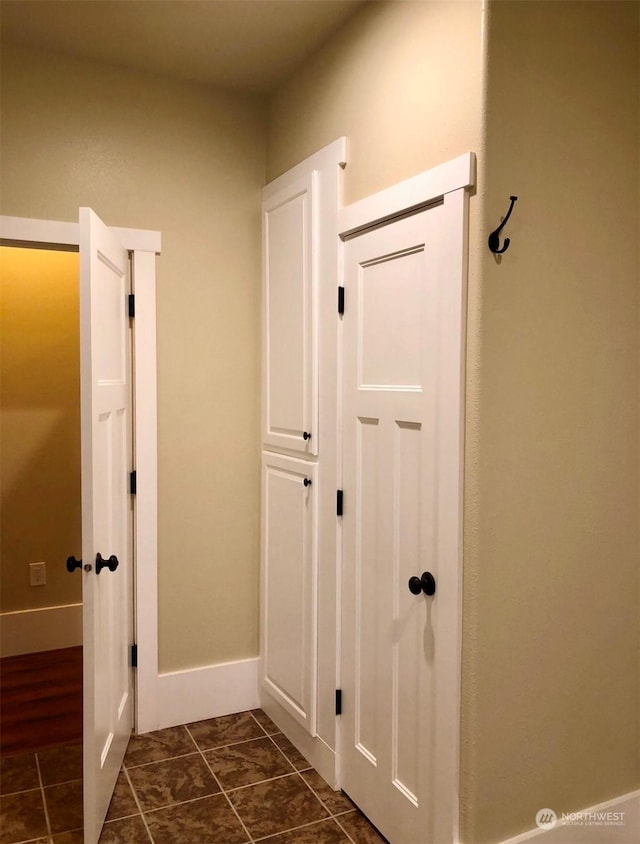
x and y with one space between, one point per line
290 355
401 494
289 585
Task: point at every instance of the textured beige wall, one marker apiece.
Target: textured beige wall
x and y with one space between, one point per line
147 152
402 80
550 676
39 426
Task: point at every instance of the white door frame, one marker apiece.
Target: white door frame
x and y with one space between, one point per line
449 184
143 246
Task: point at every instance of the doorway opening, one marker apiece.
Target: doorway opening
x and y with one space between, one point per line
40 603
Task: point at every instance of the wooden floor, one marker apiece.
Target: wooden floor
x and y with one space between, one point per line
40 700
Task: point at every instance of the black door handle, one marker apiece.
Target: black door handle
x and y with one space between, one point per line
426 584
112 563
73 564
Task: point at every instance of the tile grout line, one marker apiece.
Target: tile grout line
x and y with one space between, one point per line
273 835
331 815
44 798
138 804
344 830
219 782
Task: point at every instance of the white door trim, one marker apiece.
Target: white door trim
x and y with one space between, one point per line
449 184
144 246
408 196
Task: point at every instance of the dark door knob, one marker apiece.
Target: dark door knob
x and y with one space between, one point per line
426 584
415 585
73 564
112 563
306 435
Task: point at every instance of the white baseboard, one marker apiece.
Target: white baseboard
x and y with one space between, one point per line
45 629
315 749
207 692
615 822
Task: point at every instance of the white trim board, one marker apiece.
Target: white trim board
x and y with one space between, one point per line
41 629
210 691
54 234
144 245
409 195
574 833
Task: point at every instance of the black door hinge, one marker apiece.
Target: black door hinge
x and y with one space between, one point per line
340 300
134 656
339 498
132 305
338 701
133 482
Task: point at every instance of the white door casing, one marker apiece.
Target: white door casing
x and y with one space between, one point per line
403 340
290 353
105 381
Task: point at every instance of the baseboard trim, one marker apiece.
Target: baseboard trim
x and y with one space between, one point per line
43 629
207 692
578 829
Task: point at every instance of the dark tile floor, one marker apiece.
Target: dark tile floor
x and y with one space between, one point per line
229 780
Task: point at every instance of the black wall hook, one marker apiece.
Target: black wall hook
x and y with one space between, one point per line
494 237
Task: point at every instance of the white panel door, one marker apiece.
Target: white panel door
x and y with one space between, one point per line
106 513
392 335
290 355
289 585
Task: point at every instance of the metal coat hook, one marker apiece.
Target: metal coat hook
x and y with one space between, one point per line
494 237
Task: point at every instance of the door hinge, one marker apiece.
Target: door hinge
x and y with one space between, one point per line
340 300
339 498
134 656
133 482
338 701
132 305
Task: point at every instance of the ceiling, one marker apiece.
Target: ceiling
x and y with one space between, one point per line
249 45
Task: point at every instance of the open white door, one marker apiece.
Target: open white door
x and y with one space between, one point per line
106 513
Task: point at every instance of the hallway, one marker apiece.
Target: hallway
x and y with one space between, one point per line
229 780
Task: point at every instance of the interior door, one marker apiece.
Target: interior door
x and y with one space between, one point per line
390 525
288 665
290 332
106 513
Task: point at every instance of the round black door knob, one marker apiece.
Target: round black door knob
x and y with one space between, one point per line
307 482
415 585
73 564
112 563
306 435
428 582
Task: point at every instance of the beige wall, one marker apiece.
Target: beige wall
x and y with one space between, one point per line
550 671
39 426
147 152
402 80
551 683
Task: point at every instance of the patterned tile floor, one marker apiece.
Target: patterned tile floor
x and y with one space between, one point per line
229 780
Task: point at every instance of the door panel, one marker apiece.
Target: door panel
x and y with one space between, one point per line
389 524
290 380
289 543
106 513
